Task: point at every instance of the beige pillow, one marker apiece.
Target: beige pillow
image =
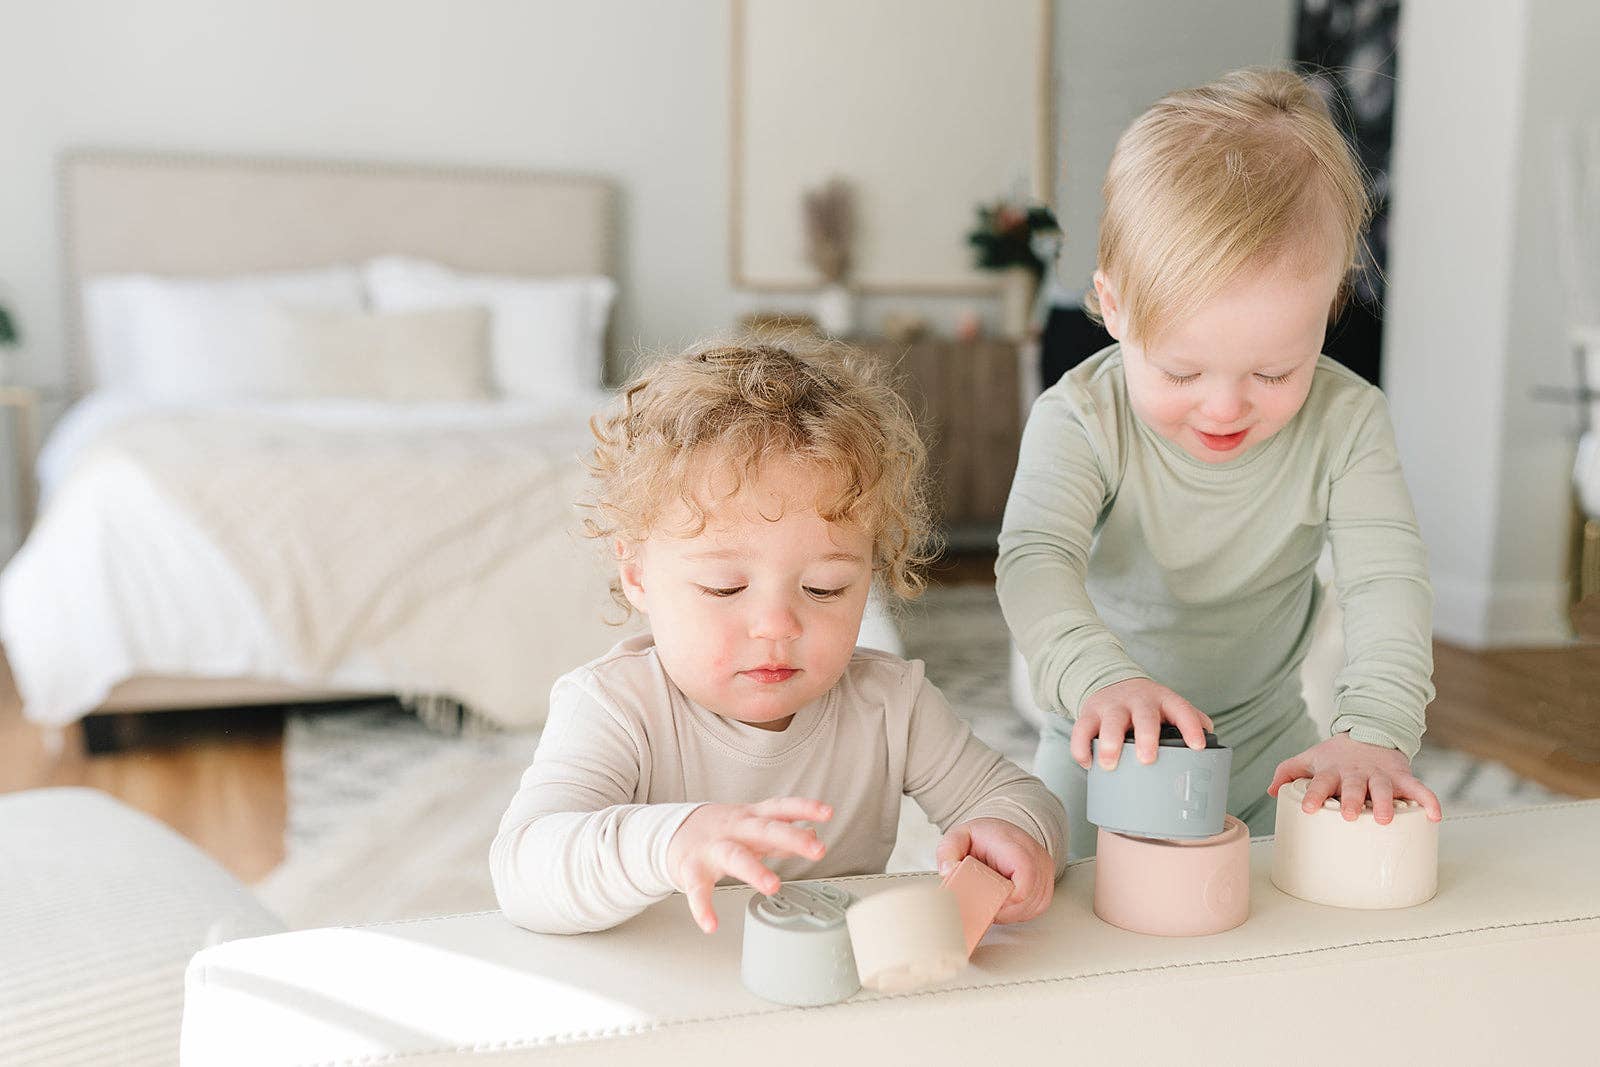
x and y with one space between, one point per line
439 354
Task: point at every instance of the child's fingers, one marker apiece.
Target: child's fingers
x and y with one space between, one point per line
1352 796
953 848
1295 767
1083 732
769 836
699 894
795 809
1190 720
1113 730
737 861
1146 733
1412 789
1382 790
1319 789
1031 884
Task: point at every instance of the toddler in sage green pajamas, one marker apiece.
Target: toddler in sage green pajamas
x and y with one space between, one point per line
1173 493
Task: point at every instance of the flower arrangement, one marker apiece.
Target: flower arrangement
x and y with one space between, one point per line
830 224
1003 236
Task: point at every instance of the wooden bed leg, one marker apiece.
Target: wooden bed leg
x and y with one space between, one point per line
108 733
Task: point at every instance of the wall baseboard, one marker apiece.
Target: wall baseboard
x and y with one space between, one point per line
1483 615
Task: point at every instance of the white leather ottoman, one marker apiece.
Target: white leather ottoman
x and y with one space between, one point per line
101 908
1501 966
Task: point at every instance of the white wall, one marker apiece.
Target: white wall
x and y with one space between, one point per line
1534 531
1474 304
1113 60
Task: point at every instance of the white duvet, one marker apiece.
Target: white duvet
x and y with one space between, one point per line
411 549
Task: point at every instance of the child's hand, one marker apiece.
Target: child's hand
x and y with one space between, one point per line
1351 770
1013 852
1139 701
732 839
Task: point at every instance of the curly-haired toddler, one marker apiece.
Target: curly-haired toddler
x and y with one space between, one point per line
751 495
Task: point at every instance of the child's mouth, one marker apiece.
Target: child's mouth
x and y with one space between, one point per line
772 674
1221 442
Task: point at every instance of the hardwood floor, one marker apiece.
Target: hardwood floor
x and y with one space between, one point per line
222 786
1535 710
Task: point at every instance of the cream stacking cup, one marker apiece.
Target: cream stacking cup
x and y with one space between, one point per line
1175 888
908 937
1324 859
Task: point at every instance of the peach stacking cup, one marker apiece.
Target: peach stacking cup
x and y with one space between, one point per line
1324 859
981 891
1174 888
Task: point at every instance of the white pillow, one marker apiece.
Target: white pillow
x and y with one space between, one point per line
439 354
546 335
168 338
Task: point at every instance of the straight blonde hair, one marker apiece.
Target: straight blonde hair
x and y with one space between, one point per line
1216 181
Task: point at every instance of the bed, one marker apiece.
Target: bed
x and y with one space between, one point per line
228 521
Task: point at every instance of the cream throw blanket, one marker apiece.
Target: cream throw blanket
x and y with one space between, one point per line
350 535
346 533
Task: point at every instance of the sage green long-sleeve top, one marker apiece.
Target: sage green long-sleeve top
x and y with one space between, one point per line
1121 556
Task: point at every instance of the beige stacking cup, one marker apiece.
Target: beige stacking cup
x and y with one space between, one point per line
1322 858
907 938
1174 888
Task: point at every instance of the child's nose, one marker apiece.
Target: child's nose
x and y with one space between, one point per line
1224 403
775 622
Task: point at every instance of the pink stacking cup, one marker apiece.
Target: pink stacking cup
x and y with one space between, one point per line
1174 888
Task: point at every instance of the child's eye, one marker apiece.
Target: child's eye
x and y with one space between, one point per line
711 591
1275 379
1177 380
826 594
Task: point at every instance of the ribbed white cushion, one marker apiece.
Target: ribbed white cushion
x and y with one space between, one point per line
100 909
1498 968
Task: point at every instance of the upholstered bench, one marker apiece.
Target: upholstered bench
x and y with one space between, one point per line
1499 967
101 908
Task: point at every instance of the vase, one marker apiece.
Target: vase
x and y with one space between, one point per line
1018 286
836 310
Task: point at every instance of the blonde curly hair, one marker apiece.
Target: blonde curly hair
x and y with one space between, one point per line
1213 180
742 403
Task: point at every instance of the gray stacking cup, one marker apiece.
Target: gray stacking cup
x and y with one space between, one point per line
797 946
1183 794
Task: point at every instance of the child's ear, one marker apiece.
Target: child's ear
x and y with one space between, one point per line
1110 307
631 575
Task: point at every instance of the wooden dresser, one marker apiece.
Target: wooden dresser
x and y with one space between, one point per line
967 396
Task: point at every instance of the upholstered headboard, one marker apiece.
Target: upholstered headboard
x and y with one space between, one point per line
162 214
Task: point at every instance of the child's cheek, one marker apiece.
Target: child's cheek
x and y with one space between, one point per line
1164 410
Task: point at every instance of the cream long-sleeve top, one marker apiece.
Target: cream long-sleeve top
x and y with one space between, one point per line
1122 556
625 757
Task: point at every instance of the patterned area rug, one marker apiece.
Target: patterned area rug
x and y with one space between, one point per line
389 819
